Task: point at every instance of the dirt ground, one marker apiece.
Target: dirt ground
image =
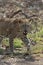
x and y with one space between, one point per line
19 61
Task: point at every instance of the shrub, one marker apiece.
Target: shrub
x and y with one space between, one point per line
17 43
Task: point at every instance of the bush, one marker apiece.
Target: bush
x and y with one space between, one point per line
5 41
17 43
38 37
